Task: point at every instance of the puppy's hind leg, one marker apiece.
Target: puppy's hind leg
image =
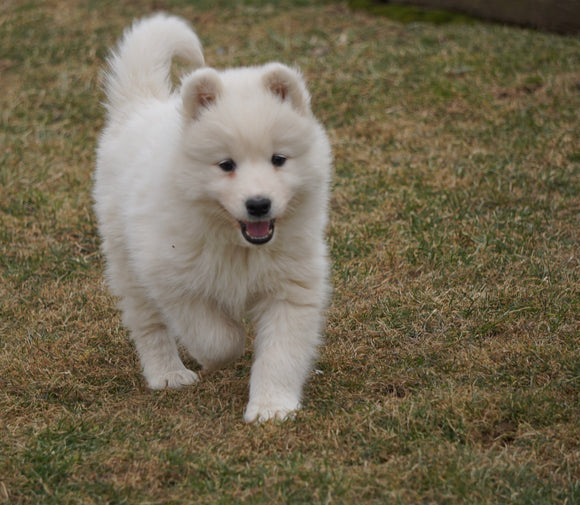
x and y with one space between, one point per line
209 335
162 366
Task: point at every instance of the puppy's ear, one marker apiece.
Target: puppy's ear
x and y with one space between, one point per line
288 85
200 90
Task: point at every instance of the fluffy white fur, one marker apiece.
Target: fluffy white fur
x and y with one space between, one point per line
170 215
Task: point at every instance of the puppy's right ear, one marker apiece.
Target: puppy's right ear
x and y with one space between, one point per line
200 90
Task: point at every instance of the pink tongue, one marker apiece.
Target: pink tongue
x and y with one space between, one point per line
257 230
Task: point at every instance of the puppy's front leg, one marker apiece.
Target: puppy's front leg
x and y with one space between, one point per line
287 336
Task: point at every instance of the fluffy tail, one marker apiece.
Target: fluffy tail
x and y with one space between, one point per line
140 67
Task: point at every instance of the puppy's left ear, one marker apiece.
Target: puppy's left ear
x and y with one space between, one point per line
288 85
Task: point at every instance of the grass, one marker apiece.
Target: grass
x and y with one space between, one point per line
451 369
408 13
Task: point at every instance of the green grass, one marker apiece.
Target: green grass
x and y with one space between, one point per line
408 13
451 370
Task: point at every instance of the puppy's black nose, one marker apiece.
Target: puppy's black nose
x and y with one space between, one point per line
258 207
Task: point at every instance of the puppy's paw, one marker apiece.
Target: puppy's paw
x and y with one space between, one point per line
174 379
264 411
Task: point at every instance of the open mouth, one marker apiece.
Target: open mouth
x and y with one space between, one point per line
257 232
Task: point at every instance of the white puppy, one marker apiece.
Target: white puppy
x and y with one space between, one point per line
212 204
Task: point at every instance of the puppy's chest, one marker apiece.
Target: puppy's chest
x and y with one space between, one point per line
232 278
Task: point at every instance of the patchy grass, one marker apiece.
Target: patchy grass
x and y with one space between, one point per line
451 368
409 13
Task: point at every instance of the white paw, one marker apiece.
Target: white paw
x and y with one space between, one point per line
264 411
174 379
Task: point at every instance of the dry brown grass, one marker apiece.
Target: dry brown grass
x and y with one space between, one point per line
451 369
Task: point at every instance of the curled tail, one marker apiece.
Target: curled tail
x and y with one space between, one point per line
140 67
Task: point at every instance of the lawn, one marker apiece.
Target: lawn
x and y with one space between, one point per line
450 372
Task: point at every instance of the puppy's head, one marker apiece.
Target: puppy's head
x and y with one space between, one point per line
252 146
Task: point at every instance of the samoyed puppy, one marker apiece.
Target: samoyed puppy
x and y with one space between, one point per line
211 202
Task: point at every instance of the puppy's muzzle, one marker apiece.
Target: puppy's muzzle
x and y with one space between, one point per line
259 229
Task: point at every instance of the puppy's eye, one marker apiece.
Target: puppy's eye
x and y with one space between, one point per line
278 160
227 165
